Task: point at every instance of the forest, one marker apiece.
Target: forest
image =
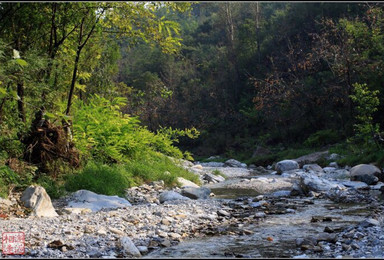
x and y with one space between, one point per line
104 95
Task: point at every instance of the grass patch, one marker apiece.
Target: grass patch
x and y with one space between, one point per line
100 178
10 178
3 188
353 155
114 179
219 173
54 188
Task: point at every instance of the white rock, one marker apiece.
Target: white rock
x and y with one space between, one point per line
36 197
183 182
96 202
76 210
171 195
143 249
313 167
286 165
235 163
128 247
5 203
367 173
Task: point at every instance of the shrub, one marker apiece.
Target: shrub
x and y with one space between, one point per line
322 137
366 103
7 178
100 178
114 179
54 188
105 134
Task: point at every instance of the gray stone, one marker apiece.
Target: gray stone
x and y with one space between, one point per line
258 204
367 173
235 163
96 202
378 186
36 197
329 169
223 213
355 184
312 167
369 223
76 210
5 203
314 183
333 164
337 174
333 157
286 165
183 183
213 178
196 193
332 238
213 164
281 193
143 249
171 195
311 158
128 247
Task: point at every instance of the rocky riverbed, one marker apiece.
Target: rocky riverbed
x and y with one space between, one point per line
289 210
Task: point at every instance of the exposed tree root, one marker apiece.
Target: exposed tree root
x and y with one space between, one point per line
47 143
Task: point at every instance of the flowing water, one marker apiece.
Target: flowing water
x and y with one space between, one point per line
273 237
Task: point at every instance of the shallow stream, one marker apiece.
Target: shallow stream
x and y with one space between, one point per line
273 237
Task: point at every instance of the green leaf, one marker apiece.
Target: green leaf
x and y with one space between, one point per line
13 93
81 87
3 91
50 115
22 62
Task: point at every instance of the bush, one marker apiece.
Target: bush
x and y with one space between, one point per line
7 178
114 179
100 178
54 188
105 134
322 137
366 103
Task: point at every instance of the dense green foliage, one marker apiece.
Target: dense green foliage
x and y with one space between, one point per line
269 74
60 107
96 89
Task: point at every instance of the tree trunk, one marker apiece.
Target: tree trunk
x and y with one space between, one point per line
73 82
20 101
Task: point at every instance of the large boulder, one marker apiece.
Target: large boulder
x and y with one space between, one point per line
311 158
171 195
336 174
314 183
312 167
213 178
367 173
286 165
96 202
235 163
36 198
196 193
184 183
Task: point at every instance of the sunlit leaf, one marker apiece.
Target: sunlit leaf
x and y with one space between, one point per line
22 62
